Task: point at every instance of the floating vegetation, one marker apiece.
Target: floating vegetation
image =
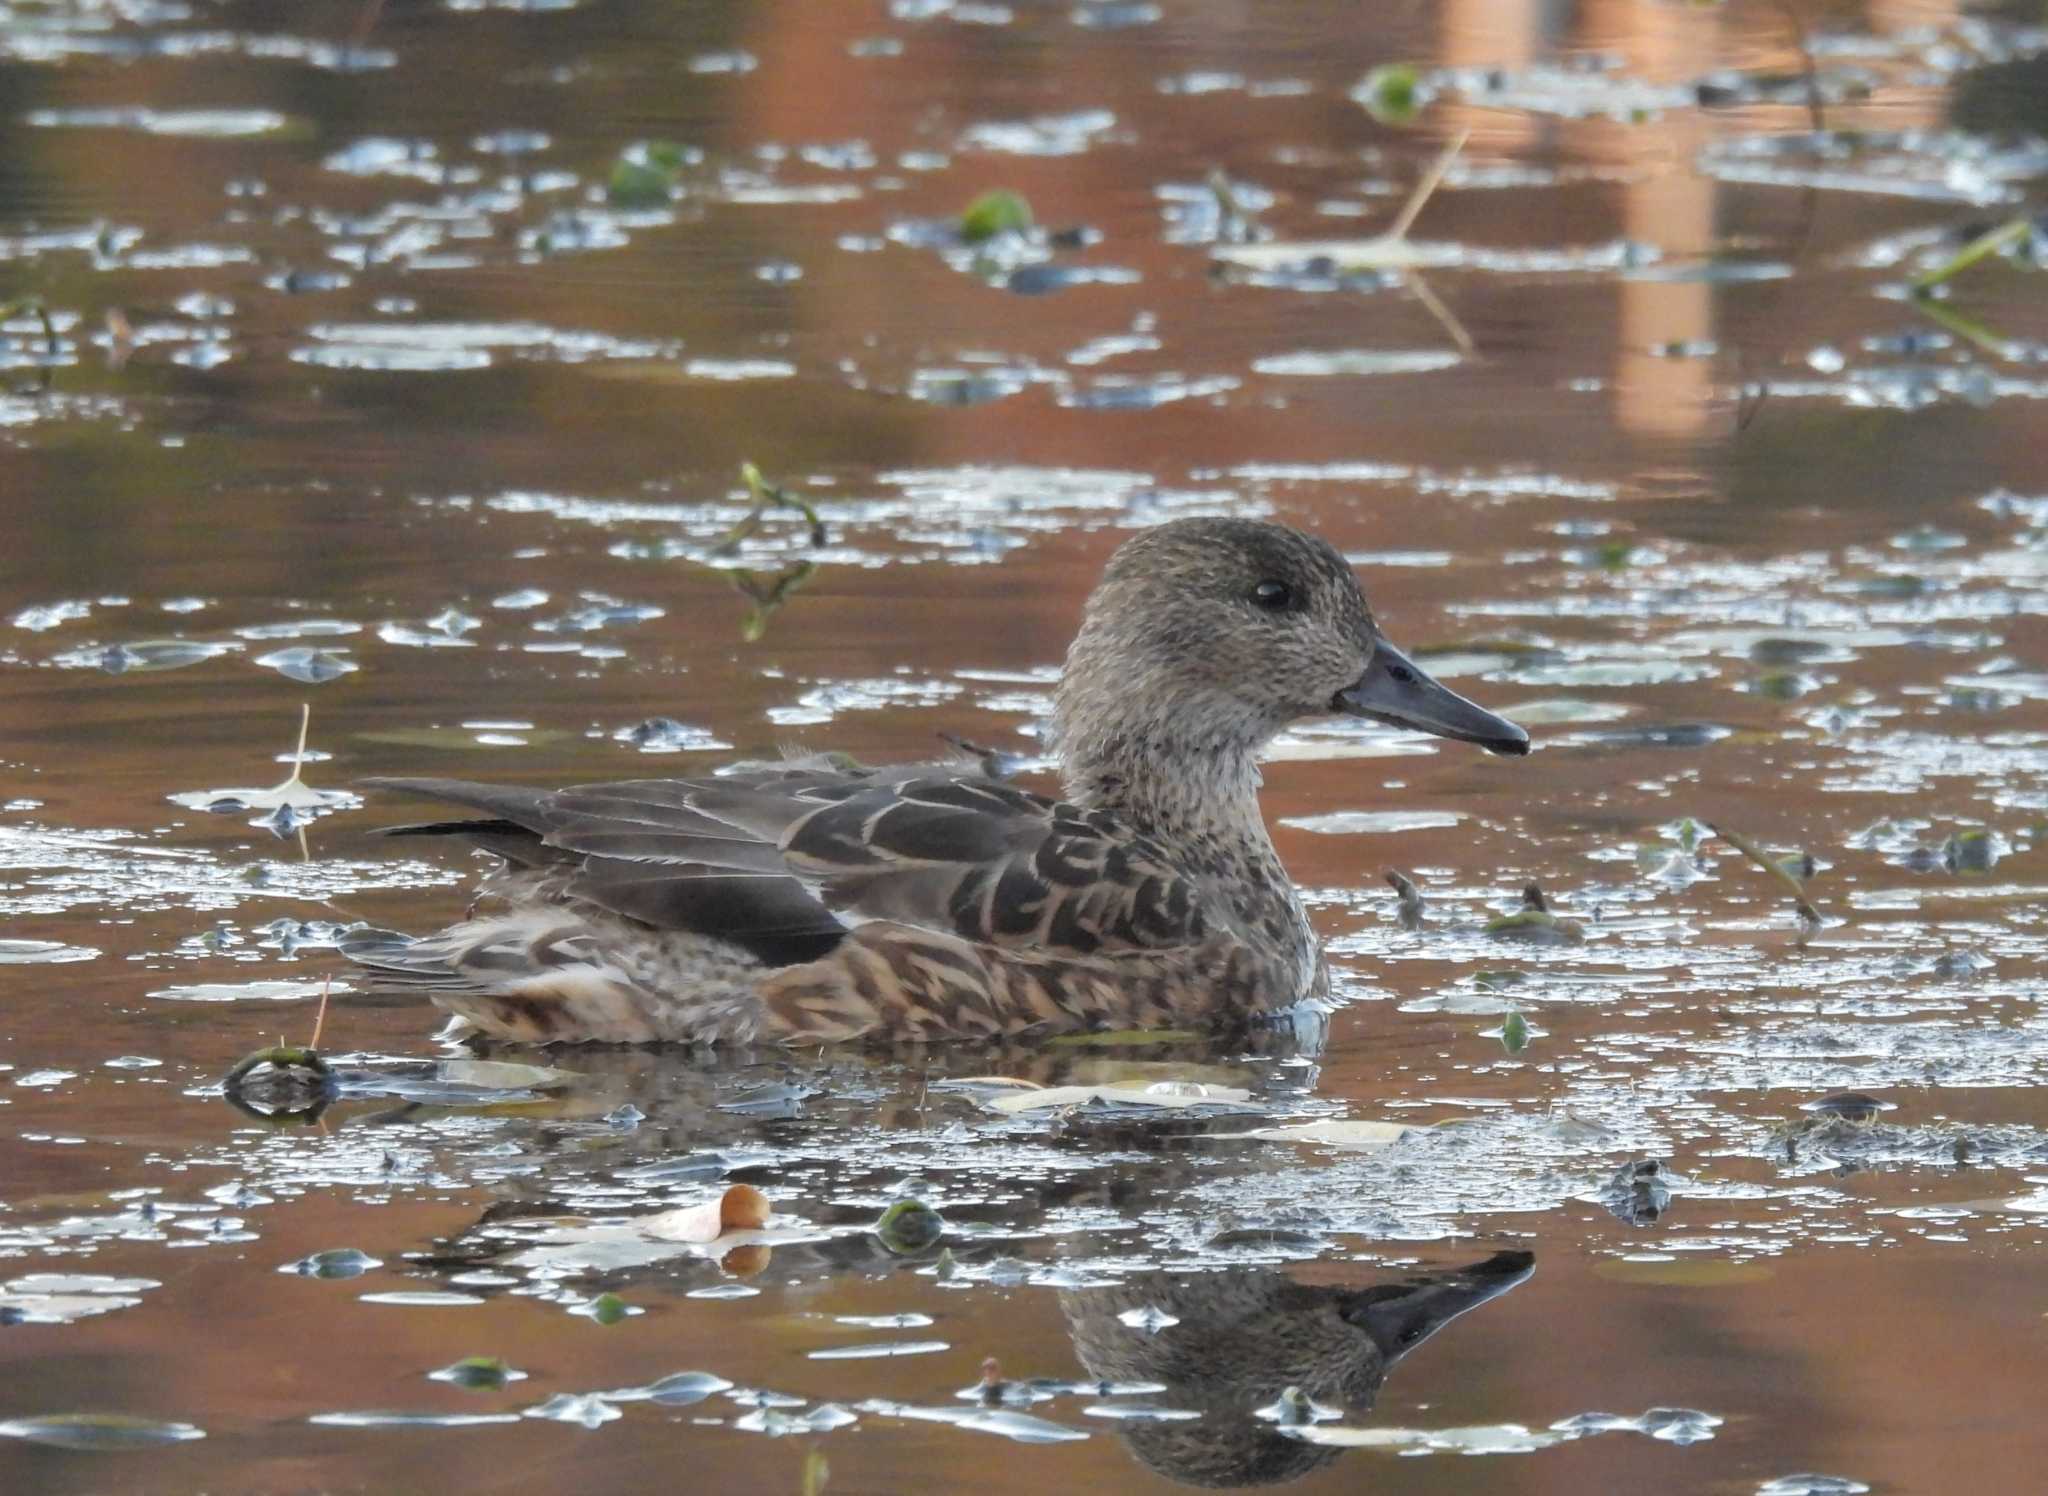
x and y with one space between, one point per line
1535 923
283 1082
98 1432
201 123
1393 93
909 1226
396 1418
335 1262
64 1298
740 1208
993 214
645 176
428 399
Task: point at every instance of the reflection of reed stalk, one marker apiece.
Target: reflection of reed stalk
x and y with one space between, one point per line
1410 211
1747 410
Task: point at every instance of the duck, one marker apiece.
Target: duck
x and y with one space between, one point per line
816 900
1259 1355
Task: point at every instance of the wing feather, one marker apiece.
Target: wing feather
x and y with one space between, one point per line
780 859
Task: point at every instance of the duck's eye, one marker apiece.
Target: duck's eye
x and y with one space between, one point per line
1274 597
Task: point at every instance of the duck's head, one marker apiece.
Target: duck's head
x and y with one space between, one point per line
1220 632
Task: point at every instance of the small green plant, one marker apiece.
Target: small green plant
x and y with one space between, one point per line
995 213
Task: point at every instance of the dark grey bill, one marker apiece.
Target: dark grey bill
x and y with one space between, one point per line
1395 691
1400 1317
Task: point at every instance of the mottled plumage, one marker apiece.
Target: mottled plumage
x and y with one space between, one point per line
818 900
1234 1342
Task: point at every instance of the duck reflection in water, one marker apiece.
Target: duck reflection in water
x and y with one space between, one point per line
1243 1339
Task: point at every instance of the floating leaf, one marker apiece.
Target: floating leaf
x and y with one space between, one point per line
1337 1132
880 1349
308 666
1484 1438
607 1309
1023 1427
60 1298
1165 1095
98 1431
155 654
740 1208
1391 93
645 177
504 1075
336 1262
401 1418
996 212
677 1390
587 1409
1340 256
1672 1425
26 952
1514 1033
1535 924
478 1373
909 1226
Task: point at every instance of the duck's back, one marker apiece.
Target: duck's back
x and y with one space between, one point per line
818 900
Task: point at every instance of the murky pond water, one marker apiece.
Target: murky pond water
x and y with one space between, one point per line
401 361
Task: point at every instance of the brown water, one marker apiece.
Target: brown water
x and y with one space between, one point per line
1742 533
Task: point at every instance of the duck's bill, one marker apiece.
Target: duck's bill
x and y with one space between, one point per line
1398 1320
1394 690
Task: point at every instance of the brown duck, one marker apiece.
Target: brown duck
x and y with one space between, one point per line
816 901
1234 1343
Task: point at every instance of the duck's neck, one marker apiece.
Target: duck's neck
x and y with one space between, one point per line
1177 758
1197 791
1167 782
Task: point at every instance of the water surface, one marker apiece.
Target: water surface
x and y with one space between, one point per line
402 363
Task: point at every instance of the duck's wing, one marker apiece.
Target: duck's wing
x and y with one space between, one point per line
636 848
982 860
782 859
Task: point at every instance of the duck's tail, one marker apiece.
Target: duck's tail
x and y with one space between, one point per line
551 976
